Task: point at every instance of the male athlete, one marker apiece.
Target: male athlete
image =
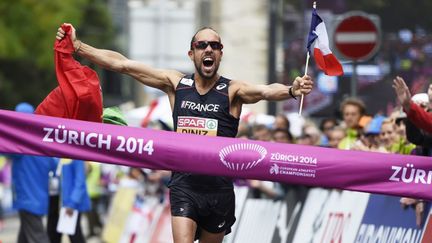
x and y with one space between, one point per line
202 103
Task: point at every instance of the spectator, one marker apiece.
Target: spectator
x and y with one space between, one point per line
30 179
281 136
336 135
244 134
400 119
369 139
305 139
281 122
392 141
261 132
422 100
415 113
352 110
93 181
424 148
388 134
313 132
326 125
74 197
418 119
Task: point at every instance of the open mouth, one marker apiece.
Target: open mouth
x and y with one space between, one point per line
208 62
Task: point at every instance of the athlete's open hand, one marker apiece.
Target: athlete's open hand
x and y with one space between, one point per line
302 85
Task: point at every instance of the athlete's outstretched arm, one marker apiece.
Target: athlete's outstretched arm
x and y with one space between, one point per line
252 93
162 79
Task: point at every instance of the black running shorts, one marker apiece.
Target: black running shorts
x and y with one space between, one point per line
212 211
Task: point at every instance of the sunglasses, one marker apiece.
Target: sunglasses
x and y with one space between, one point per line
201 45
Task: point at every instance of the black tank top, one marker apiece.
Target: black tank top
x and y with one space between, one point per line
208 115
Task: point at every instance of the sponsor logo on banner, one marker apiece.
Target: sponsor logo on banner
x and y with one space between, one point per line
274 169
409 174
190 105
331 216
293 165
186 81
337 223
258 154
385 221
197 125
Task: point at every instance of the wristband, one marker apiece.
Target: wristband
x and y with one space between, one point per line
291 93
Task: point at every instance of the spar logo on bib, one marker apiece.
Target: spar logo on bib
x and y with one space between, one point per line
197 125
242 156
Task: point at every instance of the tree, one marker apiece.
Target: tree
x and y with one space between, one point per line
28 29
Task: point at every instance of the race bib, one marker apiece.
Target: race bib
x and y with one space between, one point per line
197 125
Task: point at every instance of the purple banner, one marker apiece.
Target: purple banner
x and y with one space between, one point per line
391 174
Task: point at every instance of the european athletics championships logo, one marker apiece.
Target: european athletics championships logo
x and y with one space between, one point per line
241 150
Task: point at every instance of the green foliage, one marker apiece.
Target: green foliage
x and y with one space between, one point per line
28 29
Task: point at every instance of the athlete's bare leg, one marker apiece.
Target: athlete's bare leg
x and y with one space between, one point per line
184 232
183 229
207 237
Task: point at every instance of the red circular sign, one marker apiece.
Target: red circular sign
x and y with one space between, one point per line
356 37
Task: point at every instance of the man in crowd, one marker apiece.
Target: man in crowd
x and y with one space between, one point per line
416 114
30 180
352 111
201 206
335 135
418 119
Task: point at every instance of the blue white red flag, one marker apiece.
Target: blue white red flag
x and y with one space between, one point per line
324 57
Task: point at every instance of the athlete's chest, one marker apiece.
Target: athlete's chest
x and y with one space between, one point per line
212 103
200 114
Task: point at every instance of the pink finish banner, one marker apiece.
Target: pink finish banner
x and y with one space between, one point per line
400 175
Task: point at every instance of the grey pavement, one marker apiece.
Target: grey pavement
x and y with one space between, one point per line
11 227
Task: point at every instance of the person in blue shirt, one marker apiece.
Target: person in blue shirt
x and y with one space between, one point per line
30 176
73 196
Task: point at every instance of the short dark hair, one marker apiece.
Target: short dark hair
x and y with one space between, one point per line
199 30
286 132
328 119
355 102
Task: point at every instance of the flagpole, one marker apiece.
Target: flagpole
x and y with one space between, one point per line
302 96
306 69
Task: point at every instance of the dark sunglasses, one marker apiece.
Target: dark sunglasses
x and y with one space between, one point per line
201 45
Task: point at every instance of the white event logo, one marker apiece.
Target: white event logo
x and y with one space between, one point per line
239 148
274 169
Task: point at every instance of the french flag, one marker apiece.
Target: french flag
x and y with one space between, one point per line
324 57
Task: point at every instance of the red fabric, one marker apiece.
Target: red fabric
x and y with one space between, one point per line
328 63
421 118
78 95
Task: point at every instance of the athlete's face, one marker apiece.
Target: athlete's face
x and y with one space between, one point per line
206 53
